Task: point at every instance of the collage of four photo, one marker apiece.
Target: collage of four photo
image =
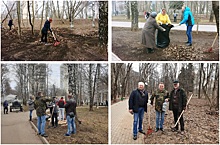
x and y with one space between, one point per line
109 72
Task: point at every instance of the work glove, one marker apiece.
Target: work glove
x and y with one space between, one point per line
179 24
164 30
166 23
160 23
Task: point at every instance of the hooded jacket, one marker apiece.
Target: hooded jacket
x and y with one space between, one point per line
188 18
46 27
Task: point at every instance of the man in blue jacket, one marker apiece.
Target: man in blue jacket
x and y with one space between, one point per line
188 19
45 30
137 105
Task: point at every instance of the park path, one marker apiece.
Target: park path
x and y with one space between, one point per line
205 28
16 129
122 125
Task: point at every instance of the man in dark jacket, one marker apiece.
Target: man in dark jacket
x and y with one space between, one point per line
71 115
188 19
10 23
148 32
137 105
54 112
40 106
45 30
177 103
5 104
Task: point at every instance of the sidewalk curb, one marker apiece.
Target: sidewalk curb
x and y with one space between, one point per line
43 139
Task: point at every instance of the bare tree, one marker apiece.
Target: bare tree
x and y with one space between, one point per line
9 11
134 16
215 8
103 25
19 18
42 16
32 27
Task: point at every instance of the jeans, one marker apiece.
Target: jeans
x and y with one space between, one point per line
138 118
189 33
159 119
61 113
176 115
31 113
54 116
41 122
71 125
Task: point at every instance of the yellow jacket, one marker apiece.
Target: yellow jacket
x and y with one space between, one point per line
163 19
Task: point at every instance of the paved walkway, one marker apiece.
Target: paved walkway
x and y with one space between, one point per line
16 129
122 124
206 28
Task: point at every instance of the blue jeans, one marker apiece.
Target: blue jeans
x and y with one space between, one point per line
41 121
31 113
159 119
71 125
138 117
189 33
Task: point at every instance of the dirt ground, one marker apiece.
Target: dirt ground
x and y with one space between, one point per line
78 44
200 126
127 46
93 130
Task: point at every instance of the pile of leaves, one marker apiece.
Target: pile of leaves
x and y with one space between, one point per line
200 126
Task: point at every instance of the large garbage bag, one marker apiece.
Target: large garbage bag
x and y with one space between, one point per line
163 39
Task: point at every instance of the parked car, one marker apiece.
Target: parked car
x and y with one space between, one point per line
16 105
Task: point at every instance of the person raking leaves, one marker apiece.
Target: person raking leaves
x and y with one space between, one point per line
45 30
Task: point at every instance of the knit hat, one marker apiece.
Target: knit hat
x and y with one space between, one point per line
153 14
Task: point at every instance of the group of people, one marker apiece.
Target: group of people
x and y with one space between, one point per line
138 105
57 107
156 21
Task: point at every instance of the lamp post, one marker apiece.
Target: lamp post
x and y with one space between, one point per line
121 91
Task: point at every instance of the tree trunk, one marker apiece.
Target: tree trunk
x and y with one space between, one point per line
42 17
33 18
32 28
128 10
103 25
58 9
215 8
211 16
200 80
134 16
90 88
19 19
93 14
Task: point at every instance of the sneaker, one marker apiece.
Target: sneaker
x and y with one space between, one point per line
44 135
162 129
141 131
135 137
156 130
73 132
189 44
47 44
67 135
38 133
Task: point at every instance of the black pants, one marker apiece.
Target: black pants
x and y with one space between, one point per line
44 36
6 109
176 115
54 117
174 19
10 27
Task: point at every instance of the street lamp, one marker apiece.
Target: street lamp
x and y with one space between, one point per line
121 91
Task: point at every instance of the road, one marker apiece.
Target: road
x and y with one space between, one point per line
16 129
122 124
206 28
